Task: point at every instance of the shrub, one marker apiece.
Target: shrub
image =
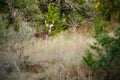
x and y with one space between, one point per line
9 37
110 9
105 63
99 25
53 15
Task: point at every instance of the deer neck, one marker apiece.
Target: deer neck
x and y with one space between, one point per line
49 31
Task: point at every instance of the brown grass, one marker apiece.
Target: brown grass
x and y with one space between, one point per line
57 58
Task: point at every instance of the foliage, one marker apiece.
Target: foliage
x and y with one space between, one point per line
110 8
13 37
76 12
73 11
53 16
79 1
3 22
99 25
3 8
105 64
28 9
69 13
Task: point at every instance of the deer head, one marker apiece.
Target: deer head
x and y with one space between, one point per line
49 26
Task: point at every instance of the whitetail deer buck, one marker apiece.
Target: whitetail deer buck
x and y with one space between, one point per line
45 34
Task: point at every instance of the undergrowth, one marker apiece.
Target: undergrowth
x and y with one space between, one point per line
103 57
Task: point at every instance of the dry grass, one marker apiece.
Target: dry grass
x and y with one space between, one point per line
58 58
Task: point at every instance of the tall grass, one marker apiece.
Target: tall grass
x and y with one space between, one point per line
56 58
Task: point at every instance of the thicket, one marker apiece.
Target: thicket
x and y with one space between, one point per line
103 56
110 9
64 13
68 13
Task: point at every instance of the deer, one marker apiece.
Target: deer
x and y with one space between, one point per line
44 34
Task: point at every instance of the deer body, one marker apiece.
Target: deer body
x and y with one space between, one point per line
42 35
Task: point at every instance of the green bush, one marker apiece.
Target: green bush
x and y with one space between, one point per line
99 25
110 9
104 55
53 15
28 9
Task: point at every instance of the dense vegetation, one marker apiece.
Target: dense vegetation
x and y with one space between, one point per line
105 63
20 19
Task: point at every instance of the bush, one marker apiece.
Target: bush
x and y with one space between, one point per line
99 25
105 63
9 37
110 9
53 15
